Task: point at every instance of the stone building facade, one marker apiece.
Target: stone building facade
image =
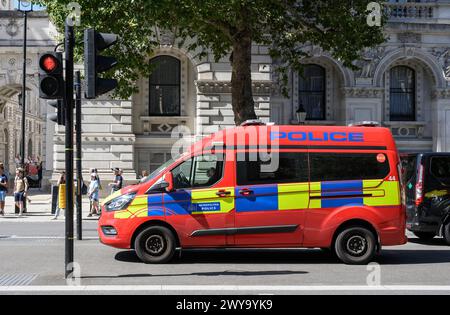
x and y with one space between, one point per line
40 38
402 84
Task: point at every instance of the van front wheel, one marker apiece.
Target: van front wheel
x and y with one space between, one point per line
155 245
355 246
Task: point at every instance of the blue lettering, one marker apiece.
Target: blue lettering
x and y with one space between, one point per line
332 136
277 135
338 136
297 136
311 137
356 137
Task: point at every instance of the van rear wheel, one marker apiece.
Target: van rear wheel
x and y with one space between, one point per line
155 245
426 236
355 246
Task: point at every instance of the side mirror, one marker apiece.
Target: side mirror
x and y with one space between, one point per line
168 181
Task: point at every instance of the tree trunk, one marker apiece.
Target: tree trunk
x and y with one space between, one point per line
241 80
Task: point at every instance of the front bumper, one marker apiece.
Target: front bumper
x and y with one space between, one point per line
123 237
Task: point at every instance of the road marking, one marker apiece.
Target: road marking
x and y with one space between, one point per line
18 280
16 237
436 288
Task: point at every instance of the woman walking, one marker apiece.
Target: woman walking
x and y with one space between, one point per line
3 189
20 189
93 195
61 195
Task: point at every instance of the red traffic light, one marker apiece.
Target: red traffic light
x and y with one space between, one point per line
49 63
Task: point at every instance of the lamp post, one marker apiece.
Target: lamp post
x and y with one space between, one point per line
25 7
301 114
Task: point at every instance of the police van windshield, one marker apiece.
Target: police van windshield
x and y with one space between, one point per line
159 170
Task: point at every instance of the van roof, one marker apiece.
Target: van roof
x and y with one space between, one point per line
301 137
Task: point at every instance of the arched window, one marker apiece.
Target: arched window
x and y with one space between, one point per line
165 87
402 101
312 91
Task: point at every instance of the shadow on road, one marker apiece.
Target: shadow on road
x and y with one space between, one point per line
298 256
206 274
433 242
241 256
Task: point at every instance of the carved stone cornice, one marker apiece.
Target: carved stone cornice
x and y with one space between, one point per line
224 87
440 94
100 139
363 92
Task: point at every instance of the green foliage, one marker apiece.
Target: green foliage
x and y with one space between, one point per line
286 26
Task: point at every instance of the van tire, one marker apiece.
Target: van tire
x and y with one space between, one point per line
447 233
155 245
355 246
425 236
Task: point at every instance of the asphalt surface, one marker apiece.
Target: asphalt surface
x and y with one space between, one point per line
32 261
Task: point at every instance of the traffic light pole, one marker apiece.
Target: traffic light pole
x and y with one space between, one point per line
69 47
78 157
24 89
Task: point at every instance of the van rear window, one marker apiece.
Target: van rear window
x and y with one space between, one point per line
440 166
348 166
283 167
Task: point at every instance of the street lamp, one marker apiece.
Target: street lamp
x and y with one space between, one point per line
301 114
25 7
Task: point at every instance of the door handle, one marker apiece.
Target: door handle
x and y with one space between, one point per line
246 192
223 193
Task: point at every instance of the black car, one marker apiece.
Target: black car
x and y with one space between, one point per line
427 186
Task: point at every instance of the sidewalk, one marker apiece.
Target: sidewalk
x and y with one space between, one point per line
39 209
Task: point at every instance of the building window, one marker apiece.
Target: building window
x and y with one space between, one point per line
312 91
402 101
165 86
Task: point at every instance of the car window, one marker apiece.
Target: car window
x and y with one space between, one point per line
281 167
348 166
440 167
201 171
208 170
182 175
409 167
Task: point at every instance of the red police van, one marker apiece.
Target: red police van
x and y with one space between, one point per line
266 186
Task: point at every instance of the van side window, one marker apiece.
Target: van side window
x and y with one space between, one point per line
347 166
282 167
201 171
440 166
182 175
208 170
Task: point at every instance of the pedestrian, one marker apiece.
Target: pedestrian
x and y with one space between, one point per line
144 176
93 195
61 195
20 189
3 189
118 180
40 175
95 171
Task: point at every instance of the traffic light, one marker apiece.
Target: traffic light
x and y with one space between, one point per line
60 116
51 79
95 64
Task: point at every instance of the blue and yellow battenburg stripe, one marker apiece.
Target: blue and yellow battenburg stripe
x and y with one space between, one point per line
281 197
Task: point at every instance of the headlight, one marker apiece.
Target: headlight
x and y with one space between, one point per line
120 203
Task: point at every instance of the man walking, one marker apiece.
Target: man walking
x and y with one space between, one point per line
3 189
118 181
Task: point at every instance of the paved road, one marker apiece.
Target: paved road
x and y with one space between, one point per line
35 256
